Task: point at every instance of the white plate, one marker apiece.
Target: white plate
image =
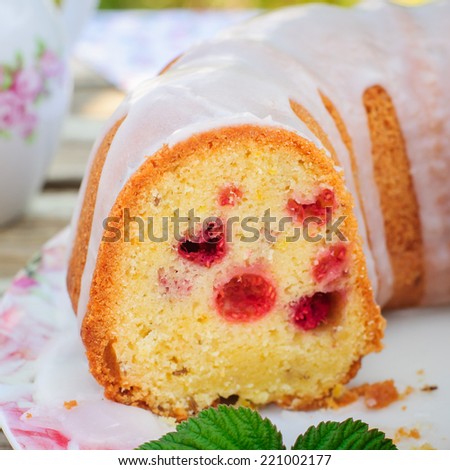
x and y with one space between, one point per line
43 371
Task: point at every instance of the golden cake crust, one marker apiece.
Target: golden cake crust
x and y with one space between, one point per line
78 255
398 199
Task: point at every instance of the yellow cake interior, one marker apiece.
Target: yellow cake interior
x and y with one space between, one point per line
176 353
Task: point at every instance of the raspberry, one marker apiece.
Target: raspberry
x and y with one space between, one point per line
206 248
311 311
229 195
318 208
331 264
325 198
245 298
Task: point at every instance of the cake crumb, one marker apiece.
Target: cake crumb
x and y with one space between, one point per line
28 415
420 372
425 446
404 407
404 433
406 393
68 405
377 395
429 388
341 396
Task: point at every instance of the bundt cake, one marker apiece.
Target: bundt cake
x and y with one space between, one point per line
247 211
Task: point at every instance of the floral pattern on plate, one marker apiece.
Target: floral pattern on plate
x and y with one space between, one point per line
23 335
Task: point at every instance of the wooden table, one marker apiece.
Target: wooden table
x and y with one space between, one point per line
94 100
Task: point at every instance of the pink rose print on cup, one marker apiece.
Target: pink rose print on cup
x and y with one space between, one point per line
29 123
12 110
27 84
51 65
23 88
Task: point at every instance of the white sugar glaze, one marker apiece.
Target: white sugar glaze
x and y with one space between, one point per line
61 376
248 75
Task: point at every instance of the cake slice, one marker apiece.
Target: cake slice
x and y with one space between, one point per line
235 307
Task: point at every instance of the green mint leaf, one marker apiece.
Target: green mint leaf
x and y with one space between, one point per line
348 435
224 428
